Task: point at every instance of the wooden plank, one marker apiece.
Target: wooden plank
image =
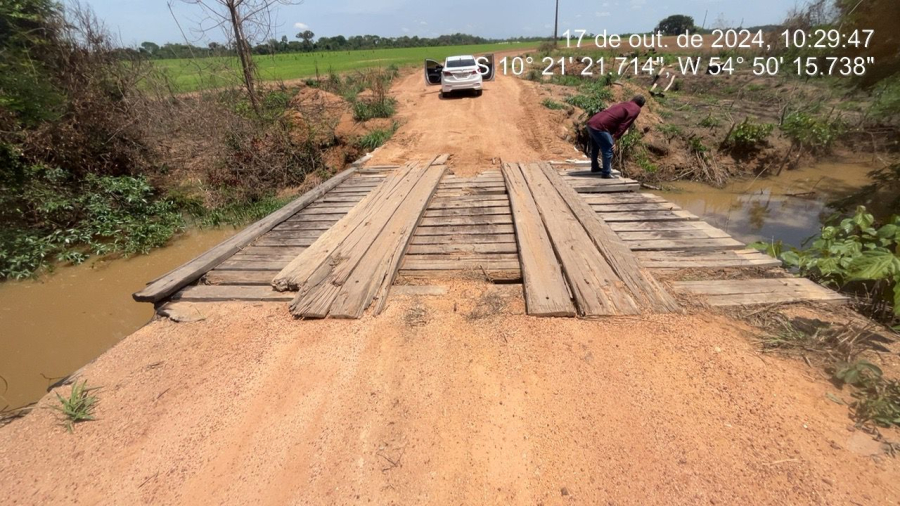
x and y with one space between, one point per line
464 239
621 198
465 230
546 292
668 234
473 211
467 220
281 242
316 210
681 244
645 226
457 249
318 291
333 198
302 267
372 278
205 293
648 216
443 263
252 265
245 278
596 288
493 275
305 225
627 208
644 288
759 291
194 269
772 298
468 204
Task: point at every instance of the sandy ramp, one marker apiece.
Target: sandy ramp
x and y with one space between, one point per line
455 400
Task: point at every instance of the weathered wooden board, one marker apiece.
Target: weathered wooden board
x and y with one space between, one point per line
759 291
193 270
642 286
471 211
376 271
305 225
467 220
621 198
597 290
242 278
252 265
458 249
682 244
446 203
209 293
628 208
648 216
465 229
546 292
419 239
301 268
494 275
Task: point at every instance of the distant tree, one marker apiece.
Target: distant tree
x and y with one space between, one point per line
149 48
674 25
306 36
242 21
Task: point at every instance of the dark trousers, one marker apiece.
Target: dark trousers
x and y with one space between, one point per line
601 142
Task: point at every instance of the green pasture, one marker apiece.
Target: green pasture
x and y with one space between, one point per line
203 73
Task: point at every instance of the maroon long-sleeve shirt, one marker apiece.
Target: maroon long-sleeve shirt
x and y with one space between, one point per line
615 119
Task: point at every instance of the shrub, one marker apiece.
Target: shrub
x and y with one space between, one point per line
809 132
748 136
364 111
852 253
592 98
710 121
377 138
549 103
61 220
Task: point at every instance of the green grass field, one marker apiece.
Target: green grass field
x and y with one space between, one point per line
205 73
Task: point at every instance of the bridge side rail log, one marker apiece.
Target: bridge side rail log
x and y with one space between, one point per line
618 255
193 270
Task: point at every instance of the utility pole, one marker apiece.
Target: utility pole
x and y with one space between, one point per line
556 25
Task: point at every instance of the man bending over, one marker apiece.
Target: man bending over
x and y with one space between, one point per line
606 127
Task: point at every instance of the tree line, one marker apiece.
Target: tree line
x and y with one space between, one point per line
305 43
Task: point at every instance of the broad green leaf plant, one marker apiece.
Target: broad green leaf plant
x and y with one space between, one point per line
851 252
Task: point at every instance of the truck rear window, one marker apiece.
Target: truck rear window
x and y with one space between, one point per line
460 63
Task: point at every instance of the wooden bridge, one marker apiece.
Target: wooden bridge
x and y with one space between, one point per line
581 245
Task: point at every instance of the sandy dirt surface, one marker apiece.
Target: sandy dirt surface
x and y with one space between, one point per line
457 399
506 123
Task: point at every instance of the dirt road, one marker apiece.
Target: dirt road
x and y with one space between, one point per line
458 399
507 122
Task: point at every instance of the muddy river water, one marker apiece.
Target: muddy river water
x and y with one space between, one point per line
790 207
54 325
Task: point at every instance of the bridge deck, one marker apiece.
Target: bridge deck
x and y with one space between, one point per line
467 230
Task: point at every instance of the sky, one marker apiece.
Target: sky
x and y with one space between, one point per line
135 21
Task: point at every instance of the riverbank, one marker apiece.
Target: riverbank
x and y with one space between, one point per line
59 322
439 401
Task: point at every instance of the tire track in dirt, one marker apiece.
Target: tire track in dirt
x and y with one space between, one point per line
507 122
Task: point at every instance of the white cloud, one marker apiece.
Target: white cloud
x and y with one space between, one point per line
301 26
405 29
423 23
548 26
603 14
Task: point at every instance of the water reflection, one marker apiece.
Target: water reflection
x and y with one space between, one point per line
790 207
